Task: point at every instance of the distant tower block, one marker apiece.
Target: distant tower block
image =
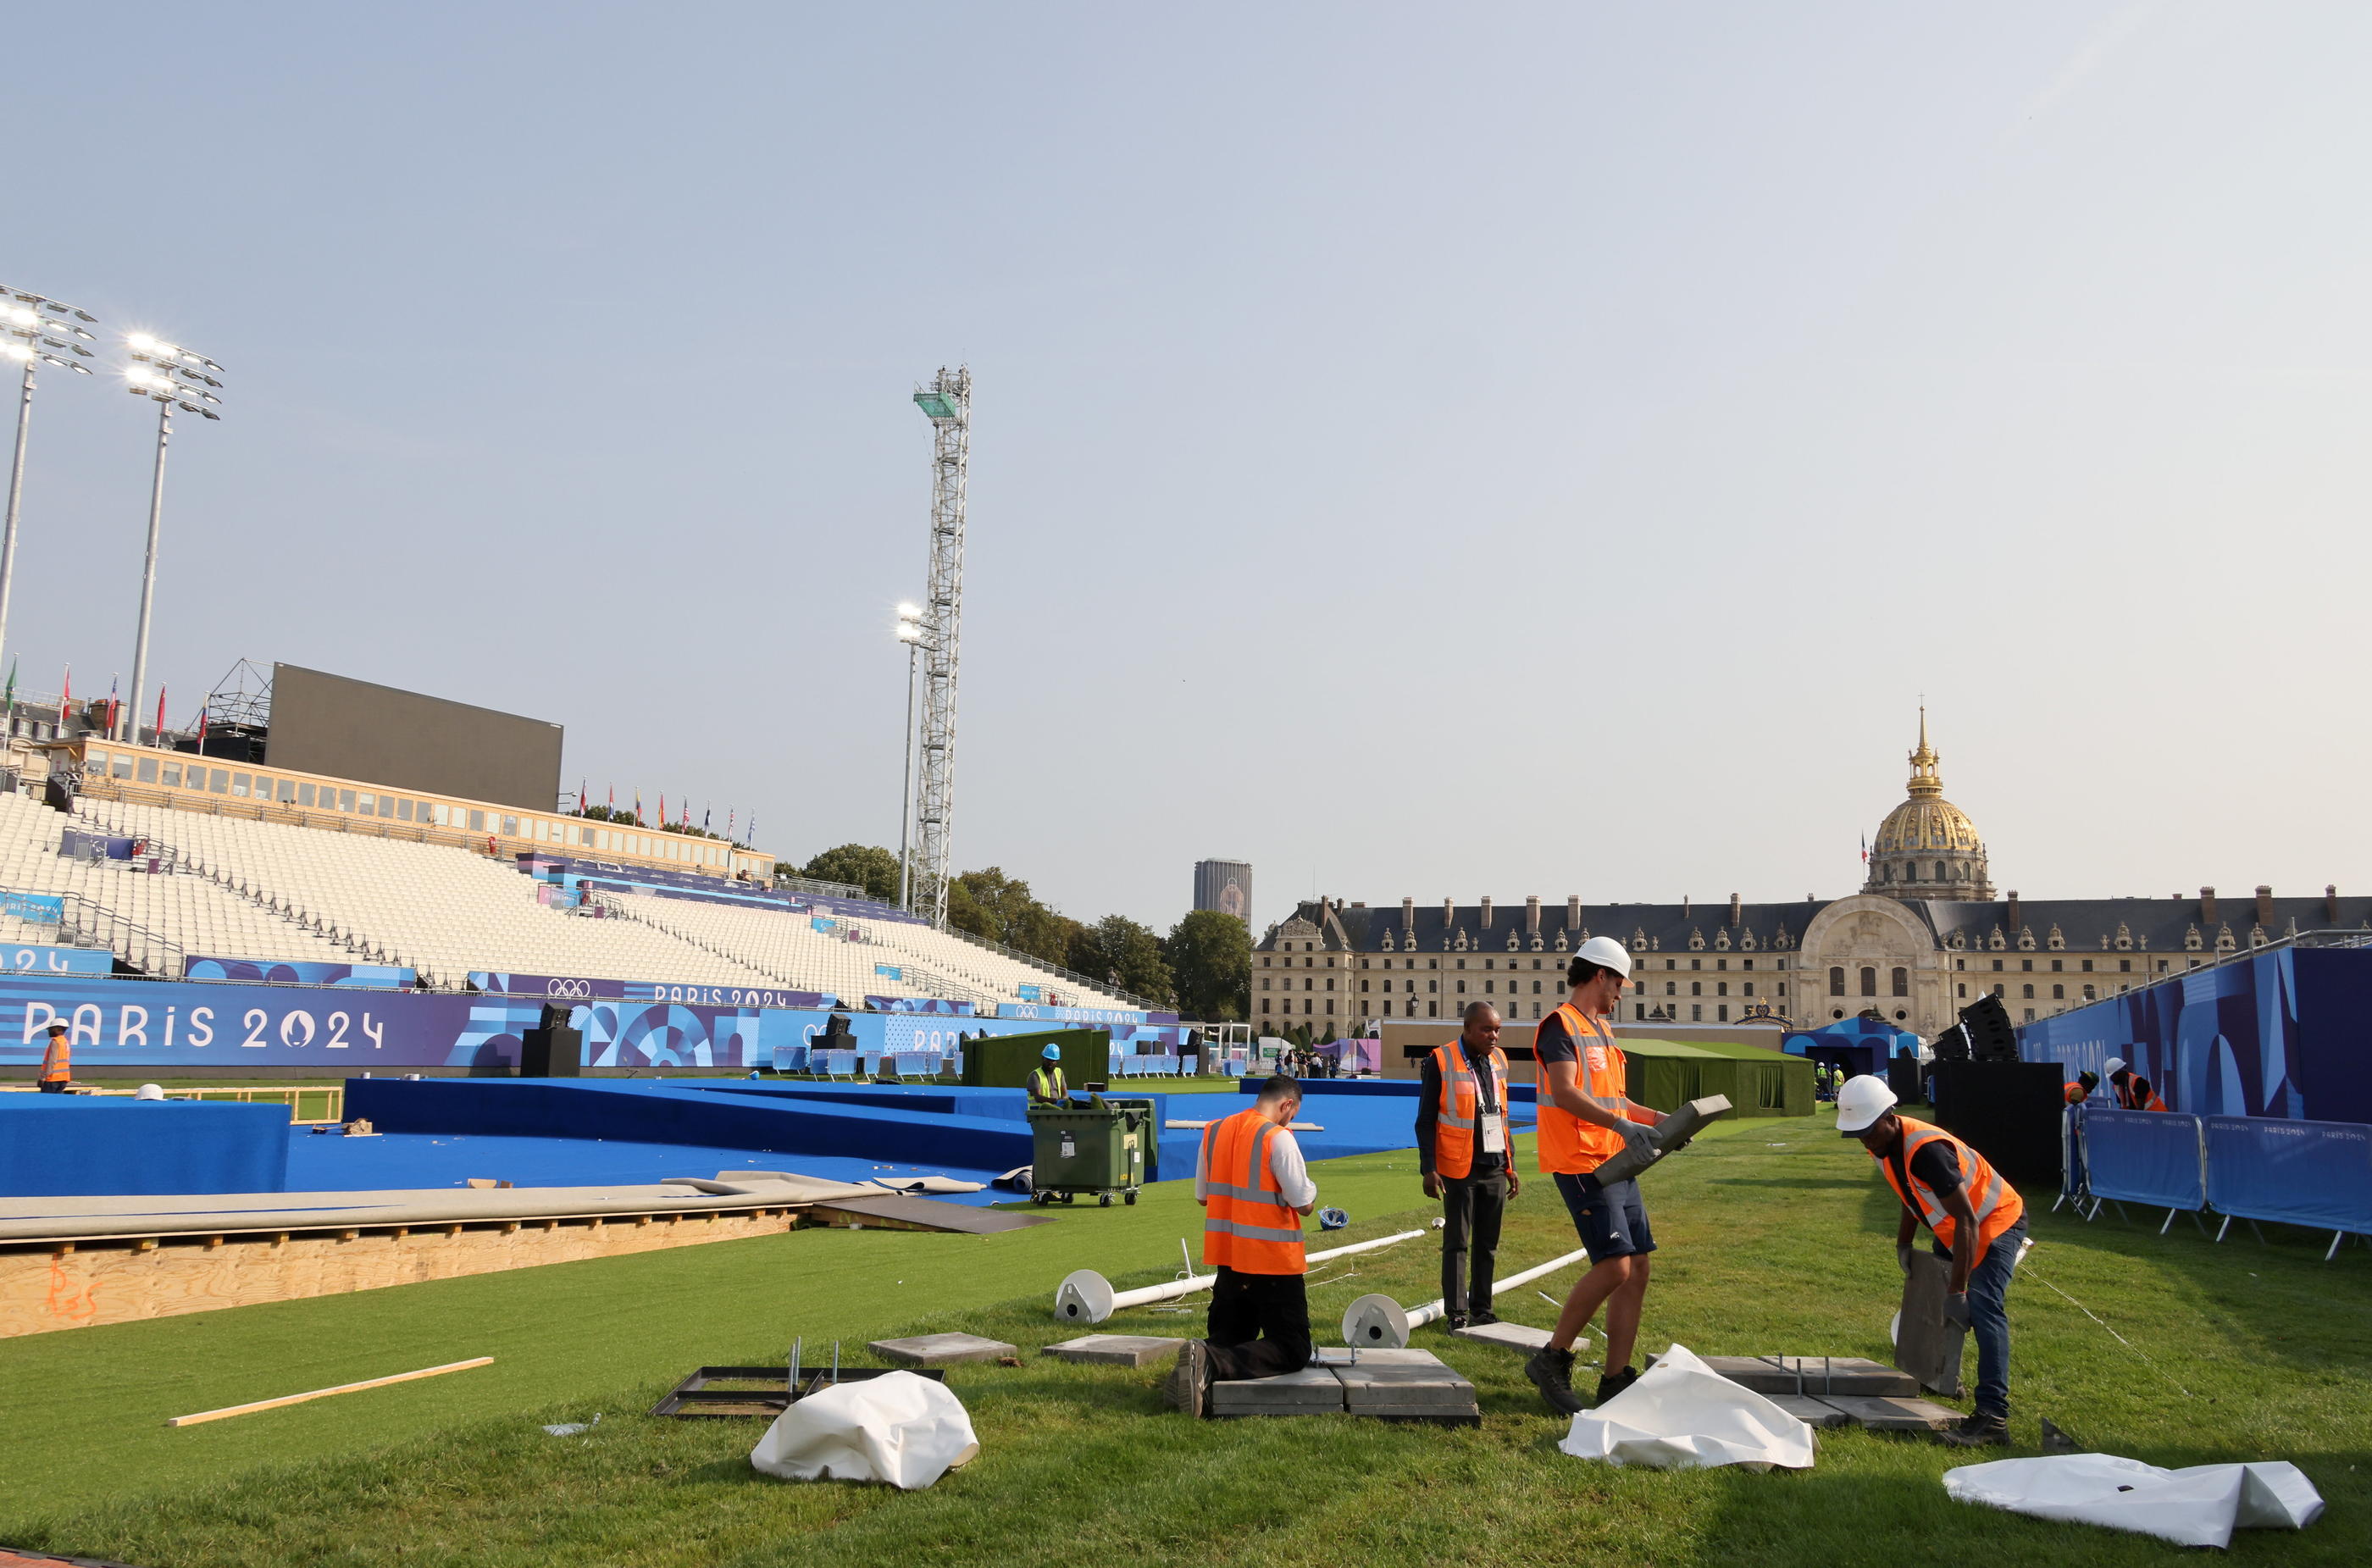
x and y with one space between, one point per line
1225 886
946 402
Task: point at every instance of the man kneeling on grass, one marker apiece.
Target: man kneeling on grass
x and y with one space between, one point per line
1254 1190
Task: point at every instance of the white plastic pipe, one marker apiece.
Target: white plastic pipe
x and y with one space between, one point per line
1380 1321
1085 1296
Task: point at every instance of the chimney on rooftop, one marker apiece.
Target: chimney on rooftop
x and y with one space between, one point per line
2330 904
2265 906
1486 912
1408 914
1448 914
1737 910
2207 906
1532 915
2013 912
1684 906
1573 911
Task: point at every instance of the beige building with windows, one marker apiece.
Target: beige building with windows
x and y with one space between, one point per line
1924 938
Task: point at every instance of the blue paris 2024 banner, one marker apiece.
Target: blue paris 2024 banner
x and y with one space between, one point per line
194 1028
359 977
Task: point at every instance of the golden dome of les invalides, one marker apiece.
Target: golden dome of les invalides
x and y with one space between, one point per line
1927 848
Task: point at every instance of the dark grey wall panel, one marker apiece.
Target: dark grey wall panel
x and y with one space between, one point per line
354 729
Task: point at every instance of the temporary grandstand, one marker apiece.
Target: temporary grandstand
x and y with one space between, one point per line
450 888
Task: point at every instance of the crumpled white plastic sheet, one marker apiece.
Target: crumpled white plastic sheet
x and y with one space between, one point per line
2198 1506
1683 1415
898 1428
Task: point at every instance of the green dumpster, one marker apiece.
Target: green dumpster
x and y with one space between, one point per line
1097 1149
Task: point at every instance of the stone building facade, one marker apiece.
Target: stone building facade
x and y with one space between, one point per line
1923 938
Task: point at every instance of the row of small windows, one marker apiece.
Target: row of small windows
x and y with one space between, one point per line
1898 981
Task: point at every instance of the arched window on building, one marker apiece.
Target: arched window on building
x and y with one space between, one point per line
1901 982
1696 988
1941 876
1721 988
1869 981
2059 993
1837 982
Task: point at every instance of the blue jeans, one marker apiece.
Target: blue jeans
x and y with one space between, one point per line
1989 1317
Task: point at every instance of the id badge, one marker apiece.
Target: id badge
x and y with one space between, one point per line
1494 1133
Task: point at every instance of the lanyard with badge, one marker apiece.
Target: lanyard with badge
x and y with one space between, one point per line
1494 1121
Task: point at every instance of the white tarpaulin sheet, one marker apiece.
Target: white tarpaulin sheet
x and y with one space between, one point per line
2199 1506
898 1428
1682 1415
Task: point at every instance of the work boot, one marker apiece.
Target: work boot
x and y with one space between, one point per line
1189 1380
1985 1429
1457 1320
1614 1383
1550 1370
1478 1317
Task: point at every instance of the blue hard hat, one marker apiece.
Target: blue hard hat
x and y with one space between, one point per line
1332 1219
1052 1053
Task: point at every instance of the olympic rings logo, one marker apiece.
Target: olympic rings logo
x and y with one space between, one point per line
578 989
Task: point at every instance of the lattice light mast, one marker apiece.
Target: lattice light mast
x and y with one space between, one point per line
946 401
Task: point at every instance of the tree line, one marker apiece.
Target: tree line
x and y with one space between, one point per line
1203 968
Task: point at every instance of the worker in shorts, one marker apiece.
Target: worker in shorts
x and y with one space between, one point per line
1585 1120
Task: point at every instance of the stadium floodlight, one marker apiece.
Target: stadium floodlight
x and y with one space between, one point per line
172 377
34 330
910 632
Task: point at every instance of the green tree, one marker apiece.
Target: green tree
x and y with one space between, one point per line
1210 957
1116 950
862 865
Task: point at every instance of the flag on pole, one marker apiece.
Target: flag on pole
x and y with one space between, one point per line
160 715
613 797
580 797
707 815
65 695
12 696
112 682
638 806
729 826
662 808
753 826
202 731
1864 849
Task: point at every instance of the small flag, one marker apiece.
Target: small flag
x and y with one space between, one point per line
728 825
202 732
65 695
12 692
613 798
707 815
753 826
662 808
1864 849
112 683
160 715
638 806
580 797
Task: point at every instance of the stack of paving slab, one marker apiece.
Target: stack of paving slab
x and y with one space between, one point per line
1392 1384
1837 1390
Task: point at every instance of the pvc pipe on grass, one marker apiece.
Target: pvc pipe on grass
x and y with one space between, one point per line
1380 1321
1085 1296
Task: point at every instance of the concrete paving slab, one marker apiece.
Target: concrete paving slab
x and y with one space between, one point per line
1113 1350
1809 1411
1442 1415
1392 1388
1310 1391
1817 1375
1892 1415
940 1349
1509 1336
1382 1355
1924 1345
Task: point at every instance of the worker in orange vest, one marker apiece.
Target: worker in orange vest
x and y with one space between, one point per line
57 1064
1462 1153
1978 1220
1255 1189
2081 1089
1584 1120
2133 1093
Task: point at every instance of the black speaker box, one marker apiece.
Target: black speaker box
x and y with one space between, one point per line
556 1052
1903 1078
2008 1111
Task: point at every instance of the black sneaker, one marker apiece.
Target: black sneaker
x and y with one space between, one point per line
1189 1380
1985 1429
1614 1383
1476 1319
1550 1370
1457 1320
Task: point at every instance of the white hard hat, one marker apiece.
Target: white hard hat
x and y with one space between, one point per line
2116 1064
149 1091
1863 1100
1606 953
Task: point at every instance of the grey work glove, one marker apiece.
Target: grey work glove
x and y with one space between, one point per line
1956 1310
1638 1136
1903 1254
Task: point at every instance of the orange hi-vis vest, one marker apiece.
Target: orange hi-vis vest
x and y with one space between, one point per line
2075 1095
1247 1223
2132 1101
1996 1203
57 1064
1567 1144
1454 1127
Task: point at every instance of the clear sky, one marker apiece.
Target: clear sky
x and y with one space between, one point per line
1423 450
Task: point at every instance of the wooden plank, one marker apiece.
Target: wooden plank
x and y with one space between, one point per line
898 1211
1176 1126
229 1411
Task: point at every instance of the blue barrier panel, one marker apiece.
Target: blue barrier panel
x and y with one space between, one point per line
65 1145
37 909
31 957
916 1004
357 977
560 988
662 1113
2311 1173
2145 1157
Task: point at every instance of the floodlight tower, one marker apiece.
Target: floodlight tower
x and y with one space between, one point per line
946 401
172 377
34 330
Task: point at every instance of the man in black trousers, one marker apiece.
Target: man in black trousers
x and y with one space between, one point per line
1462 1148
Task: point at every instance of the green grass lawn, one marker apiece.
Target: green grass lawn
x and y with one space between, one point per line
1775 1236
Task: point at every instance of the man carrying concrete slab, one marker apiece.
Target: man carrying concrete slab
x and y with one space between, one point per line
1461 1150
1979 1222
1254 1188
1585 1119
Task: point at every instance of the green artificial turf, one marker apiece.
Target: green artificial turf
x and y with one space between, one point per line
1775 1238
